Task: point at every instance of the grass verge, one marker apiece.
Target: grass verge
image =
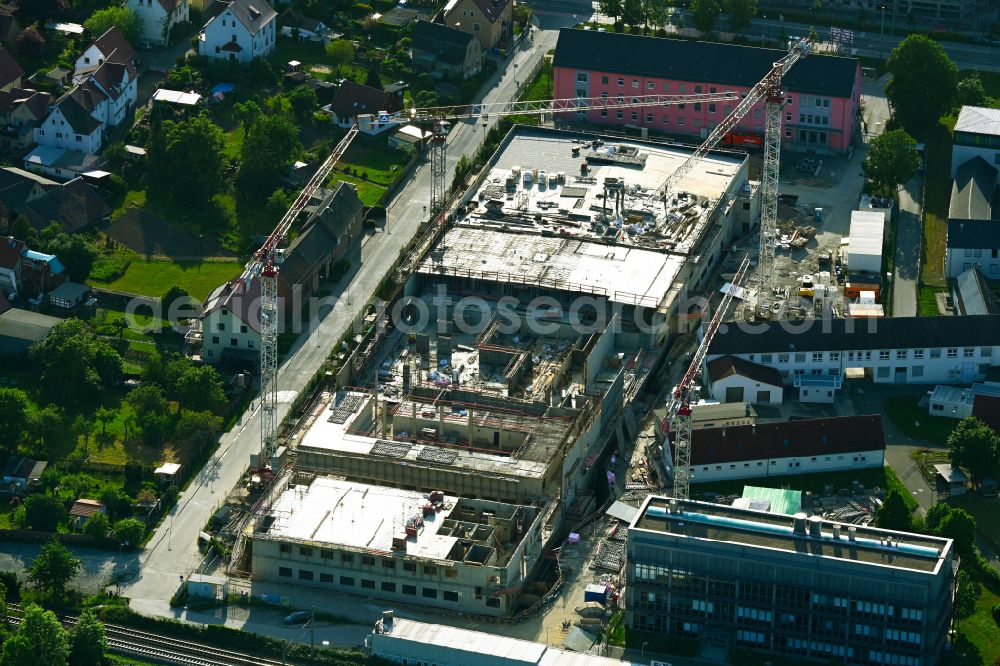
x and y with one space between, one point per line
913 420
152 277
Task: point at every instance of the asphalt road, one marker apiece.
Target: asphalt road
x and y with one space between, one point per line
172 551
909 235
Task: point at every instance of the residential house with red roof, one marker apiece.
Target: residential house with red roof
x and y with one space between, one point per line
159 17
355 99
238 31
112 45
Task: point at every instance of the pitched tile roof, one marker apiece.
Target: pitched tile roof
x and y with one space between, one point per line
10 252
700 62
19 467
810 437
492 9
84 508
10 71
448 44
857 334
252 14
113 78
727 366
339 208
242 300
74 206
972 191
77 105
113 45
353 99
974 234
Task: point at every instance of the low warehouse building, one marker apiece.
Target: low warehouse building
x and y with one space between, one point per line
736 380
463 554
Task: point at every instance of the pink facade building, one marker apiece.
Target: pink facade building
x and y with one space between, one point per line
821 113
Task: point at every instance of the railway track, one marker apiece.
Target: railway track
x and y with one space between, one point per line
164 649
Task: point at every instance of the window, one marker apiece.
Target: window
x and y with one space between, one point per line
834 356
284 572
347 580
917 371
581 77
883 372
788 117
765 358
410 589
635 115
782 358
429 593
649 117
968 352
635 83
450 573
789 100
711 108
388 587
604 113
621 83
243 328
220 326
666 87
604 80
368 560
619 115
681 87
800 357
305 551
883 355
900 354
326 578
697 106
347 558
649 85
475 27
233 342
388 564
368 584
409 566
817 357
430 570
285 548
788 133
935 353
918 354
305 574
680 121
952 352
450 596
666 121
697 89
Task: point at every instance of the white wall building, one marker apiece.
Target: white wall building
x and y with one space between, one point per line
957 402
231 323
111 46
75 121
864 250
158 17
238 30
977 134
736 380
783 448
901 350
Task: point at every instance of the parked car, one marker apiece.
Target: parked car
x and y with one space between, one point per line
297 617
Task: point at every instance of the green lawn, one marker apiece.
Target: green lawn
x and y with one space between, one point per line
937 193
979 633
927 300
368 192
914 421
152 277
234 142
373 157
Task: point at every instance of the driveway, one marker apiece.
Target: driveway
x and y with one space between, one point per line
909 238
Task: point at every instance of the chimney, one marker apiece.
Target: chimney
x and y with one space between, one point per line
799 524
852 533
815 527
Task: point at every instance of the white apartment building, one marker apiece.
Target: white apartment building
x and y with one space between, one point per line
238 30
159 17
901 350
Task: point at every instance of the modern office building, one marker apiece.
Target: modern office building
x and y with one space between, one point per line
794 585
430 549
821 113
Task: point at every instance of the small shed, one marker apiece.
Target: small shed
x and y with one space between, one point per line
864 251
166 473
176 97
83 509
68 295
951 478
208 587
596 592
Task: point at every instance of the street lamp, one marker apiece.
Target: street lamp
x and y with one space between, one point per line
881 32
642 653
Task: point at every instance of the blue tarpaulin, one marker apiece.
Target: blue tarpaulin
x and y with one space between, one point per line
596 592
223 88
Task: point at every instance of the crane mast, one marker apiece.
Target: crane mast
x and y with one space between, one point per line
686 393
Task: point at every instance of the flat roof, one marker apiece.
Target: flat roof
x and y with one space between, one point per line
19 329
574 203
779 500
769 531
332 434
513 650
176 97
335 512
867 229
950 473
622 274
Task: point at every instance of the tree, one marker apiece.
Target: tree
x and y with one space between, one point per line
75 363
189 162
894 514
967 593
75 253
657 12
196 429
40 11
633 13
30 43
970 92
104 416
960 526
171 296
126 20
14 408
43 512
54 567
303 101
340 52
151 411
88 644
130 532
21 229
372 78
610 8
973 445
246 113
923 85
117 503
40 640
741 12
97 526
201 386
705 14
892 159
119 325
426 99
46 424
268 151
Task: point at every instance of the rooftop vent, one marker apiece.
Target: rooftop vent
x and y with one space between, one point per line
799 524
816 527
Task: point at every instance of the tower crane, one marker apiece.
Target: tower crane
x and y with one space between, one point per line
264 265
685 393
